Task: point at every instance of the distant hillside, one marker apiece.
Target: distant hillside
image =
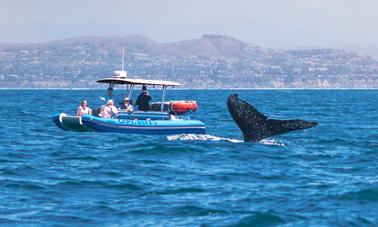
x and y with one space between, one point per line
207 46
212 61
369 49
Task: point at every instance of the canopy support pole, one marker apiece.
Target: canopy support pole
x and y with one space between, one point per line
163 98
130 91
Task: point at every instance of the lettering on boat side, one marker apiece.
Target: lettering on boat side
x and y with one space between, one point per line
137 122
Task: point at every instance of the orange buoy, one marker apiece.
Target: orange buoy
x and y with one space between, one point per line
183 106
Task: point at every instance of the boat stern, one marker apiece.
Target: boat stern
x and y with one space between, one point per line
69 123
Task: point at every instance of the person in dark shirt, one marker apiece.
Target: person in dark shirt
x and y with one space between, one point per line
143 100
110 92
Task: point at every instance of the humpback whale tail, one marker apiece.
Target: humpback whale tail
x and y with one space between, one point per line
255 126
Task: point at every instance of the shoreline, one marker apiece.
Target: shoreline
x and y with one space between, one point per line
193 89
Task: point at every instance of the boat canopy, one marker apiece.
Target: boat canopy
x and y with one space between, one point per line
132 81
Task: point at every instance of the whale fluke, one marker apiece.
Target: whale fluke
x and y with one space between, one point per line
255 126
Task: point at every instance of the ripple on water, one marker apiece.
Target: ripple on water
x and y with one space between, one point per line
260 219
167 149
195 211
22 185
269 218
176 191
368 195
92 184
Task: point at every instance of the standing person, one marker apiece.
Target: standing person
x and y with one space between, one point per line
143 100
83 109
110 93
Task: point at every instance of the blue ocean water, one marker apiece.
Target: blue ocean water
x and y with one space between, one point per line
327 175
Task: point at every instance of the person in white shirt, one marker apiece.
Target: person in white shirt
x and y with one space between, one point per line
83 109
108 110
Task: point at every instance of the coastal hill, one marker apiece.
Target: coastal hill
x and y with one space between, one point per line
212 61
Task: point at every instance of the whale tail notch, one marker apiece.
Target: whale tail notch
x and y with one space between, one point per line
255 126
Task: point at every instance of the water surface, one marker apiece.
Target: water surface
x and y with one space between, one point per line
327 175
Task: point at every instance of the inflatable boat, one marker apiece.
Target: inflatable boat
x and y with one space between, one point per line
136 123
165 117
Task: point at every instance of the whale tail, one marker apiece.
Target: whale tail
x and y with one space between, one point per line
255 126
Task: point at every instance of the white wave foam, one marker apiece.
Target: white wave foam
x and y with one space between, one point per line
207 137
202 137
272 142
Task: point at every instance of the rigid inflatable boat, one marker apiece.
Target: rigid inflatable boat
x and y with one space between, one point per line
165 117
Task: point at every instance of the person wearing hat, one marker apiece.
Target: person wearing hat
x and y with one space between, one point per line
108 110
143 100
126 105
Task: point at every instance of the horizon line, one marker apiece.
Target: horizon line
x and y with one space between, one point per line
194 89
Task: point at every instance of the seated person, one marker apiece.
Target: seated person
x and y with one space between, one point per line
143 100
108 110
126 105
102 112
83 109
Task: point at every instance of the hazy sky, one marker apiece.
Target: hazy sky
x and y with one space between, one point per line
271 23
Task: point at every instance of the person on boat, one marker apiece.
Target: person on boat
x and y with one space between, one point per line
143 100
126 105
83 109
102 112
108 110
110 92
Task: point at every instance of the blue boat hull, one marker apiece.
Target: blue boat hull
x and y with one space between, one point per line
146 126
129 125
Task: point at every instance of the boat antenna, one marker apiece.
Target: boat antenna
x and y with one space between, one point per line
123 58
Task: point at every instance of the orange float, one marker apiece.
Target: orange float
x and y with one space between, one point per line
180 107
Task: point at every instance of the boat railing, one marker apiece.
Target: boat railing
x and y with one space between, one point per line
156 106
142 115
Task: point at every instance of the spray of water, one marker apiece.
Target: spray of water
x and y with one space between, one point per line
207 137
202 137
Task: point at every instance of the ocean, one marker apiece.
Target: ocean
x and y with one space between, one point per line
323 176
